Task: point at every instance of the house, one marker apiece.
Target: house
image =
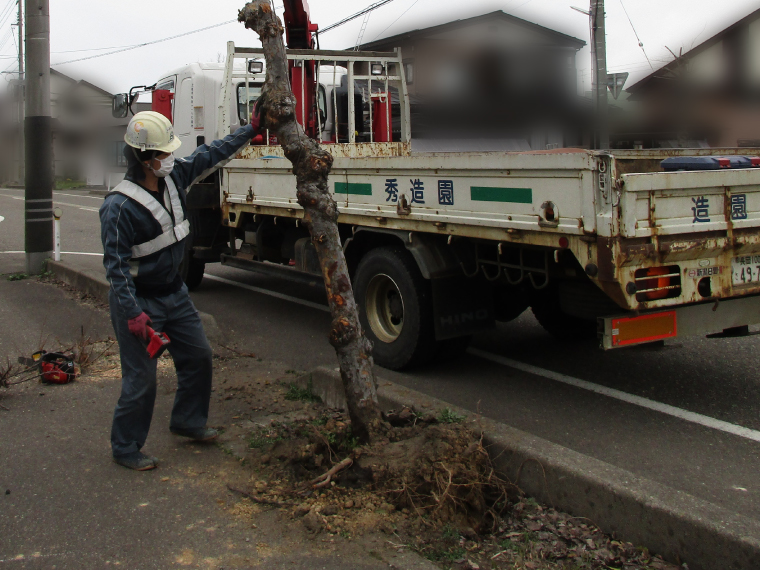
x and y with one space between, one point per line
87 140
709 95
491 76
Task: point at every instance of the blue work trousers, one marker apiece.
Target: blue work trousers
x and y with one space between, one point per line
176 316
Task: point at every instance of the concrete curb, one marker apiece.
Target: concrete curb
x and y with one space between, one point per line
95 284
677 526
85 280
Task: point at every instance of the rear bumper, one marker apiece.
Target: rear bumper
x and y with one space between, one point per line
702 319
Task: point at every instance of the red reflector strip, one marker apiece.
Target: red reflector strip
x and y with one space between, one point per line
645 328
724 163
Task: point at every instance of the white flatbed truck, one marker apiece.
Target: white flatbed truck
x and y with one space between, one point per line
442 245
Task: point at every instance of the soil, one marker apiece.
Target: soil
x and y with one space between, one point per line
425 484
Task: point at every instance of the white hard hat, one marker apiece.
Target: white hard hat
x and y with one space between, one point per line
149 130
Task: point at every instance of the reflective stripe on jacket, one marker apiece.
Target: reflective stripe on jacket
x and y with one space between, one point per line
173 230
125 223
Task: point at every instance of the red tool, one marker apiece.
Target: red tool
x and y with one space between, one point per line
157 343
56 368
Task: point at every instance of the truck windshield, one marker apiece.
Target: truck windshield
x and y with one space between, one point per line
254 91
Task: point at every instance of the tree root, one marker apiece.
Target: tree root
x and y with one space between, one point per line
324 480
259 500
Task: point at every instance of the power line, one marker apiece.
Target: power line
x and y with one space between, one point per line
354 16
6 12
5 38
396 20
635 33
148 43
94 49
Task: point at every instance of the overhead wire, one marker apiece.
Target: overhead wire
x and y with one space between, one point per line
6 12
396 20
366 10
121 49
147 43
5 38
635 33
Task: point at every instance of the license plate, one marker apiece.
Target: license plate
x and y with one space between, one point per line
745 269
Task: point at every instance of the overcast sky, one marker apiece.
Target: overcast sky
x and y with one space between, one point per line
90 24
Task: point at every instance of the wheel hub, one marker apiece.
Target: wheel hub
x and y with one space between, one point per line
385 308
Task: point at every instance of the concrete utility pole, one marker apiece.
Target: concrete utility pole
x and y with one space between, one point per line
599 59
20 91
39 138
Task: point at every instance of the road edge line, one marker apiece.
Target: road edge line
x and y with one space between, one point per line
632 399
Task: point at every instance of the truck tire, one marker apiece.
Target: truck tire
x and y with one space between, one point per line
191 270
546 308
395 308
509 304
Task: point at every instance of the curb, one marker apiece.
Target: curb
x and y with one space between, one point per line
85 280
95 284
677 526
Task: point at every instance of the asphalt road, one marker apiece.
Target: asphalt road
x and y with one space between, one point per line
685 415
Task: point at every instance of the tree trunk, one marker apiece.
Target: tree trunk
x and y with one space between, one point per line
311 166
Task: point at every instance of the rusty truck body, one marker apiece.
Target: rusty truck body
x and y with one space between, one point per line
443 245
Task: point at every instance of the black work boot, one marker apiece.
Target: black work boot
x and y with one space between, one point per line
137 461
197 434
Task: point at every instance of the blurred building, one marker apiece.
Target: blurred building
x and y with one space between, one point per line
493 77
87 140
708 96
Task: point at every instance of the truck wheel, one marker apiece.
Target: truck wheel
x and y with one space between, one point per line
395 308
509 304
191 270
561 325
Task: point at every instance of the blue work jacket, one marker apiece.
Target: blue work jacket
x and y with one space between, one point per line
125 223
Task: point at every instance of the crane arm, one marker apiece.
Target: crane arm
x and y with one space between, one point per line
298 25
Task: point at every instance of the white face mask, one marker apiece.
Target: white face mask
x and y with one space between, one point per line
167 165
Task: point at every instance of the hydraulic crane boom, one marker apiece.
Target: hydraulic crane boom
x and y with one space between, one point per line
299 32
298 26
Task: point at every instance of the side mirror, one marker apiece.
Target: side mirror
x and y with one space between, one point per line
120 108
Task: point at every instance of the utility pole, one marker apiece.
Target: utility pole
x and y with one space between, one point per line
599 59
39 139
20 91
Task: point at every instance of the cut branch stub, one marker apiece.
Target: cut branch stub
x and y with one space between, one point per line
311 166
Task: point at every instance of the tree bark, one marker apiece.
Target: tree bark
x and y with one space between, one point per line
311 166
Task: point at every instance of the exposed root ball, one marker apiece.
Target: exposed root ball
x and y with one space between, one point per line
442 472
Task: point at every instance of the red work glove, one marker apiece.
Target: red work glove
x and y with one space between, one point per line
139 326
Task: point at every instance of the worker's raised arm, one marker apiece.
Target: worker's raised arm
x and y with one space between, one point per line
208 157
116 233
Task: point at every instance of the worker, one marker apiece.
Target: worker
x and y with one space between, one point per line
145 229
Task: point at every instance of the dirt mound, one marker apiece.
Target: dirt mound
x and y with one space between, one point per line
439 471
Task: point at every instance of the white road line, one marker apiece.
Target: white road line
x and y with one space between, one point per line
692 417
64 194
81 196
86 208
63 252
268 292
56 202
1 218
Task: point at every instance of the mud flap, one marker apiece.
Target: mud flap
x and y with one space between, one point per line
461 306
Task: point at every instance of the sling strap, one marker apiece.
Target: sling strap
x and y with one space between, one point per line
172 232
